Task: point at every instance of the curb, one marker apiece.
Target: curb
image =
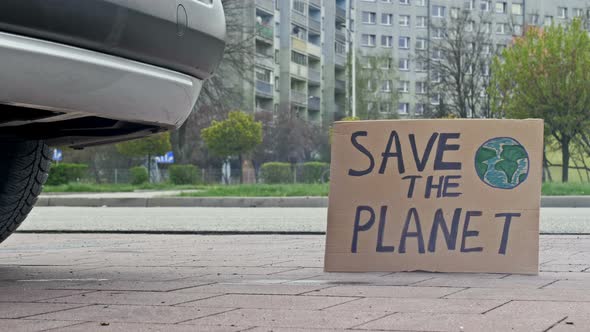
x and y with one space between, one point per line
248 202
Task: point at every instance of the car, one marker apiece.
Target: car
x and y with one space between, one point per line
80 73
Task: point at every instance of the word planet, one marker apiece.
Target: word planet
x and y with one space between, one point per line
502 163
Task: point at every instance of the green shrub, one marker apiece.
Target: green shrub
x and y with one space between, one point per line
184 174
276 173
65 173
139 175
313 172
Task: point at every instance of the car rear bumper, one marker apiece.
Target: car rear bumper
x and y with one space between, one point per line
75 83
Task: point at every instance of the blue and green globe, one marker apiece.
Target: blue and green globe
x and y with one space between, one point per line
502 163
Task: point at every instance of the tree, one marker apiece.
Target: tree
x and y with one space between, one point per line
545 74
458 60
238 135
376 90
149 146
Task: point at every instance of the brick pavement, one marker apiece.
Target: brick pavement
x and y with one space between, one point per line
270 283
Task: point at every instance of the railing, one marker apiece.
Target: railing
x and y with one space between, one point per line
317 3
314 75
265 60
299 18
313 103
299 44
340 35
299 97
264 31
267 5
340 60
340 13
340 85
315 24
264 88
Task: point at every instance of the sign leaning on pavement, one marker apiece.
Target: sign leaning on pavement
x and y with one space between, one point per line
435 195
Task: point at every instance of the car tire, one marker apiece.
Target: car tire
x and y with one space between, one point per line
24 167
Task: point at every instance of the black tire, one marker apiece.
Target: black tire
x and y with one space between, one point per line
24 166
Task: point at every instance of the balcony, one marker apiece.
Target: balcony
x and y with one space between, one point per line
299 45
267 5
265 32
265 61
299 70
340 35
264 89
340 85
314 50
299 18
299 97
340 13
340 60
316 3
314 103
315 25
314 76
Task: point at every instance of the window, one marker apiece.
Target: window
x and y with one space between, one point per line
404 86
420 109
517 29
438 33
485 70
548 21
300 6
404 42
486 49
421 66
386 86
420 44
470 26
469 5
404 2
263 74
501 28
500 7
370 85
298 58
487 27
438 11
578 12
421 88
368 40
421 3
298 32
534 19
403 108
387 64
385 107
404 20
387 19
485 5
387 41
455 12
435 99
437 54
421 21
562 12
404 64
435 77
517 9
369 17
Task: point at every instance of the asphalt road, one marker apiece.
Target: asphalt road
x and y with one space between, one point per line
297 220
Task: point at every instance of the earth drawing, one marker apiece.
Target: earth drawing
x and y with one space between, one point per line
502 163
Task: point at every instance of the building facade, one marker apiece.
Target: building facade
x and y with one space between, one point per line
404 27
300 62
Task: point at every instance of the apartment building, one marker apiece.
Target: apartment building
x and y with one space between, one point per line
404 27
301 51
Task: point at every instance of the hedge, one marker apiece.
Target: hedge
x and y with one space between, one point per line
184 174
65 173
315 172
275 172
139 175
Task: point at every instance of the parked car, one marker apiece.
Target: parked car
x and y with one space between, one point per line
80 73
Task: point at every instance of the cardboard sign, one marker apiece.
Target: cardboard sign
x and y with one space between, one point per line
435 195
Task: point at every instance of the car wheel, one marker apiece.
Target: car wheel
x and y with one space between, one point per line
24 166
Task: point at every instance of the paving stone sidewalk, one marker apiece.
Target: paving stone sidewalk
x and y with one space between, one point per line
270 283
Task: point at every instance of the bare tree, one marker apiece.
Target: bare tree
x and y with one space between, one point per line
459 58
223 90
376 87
